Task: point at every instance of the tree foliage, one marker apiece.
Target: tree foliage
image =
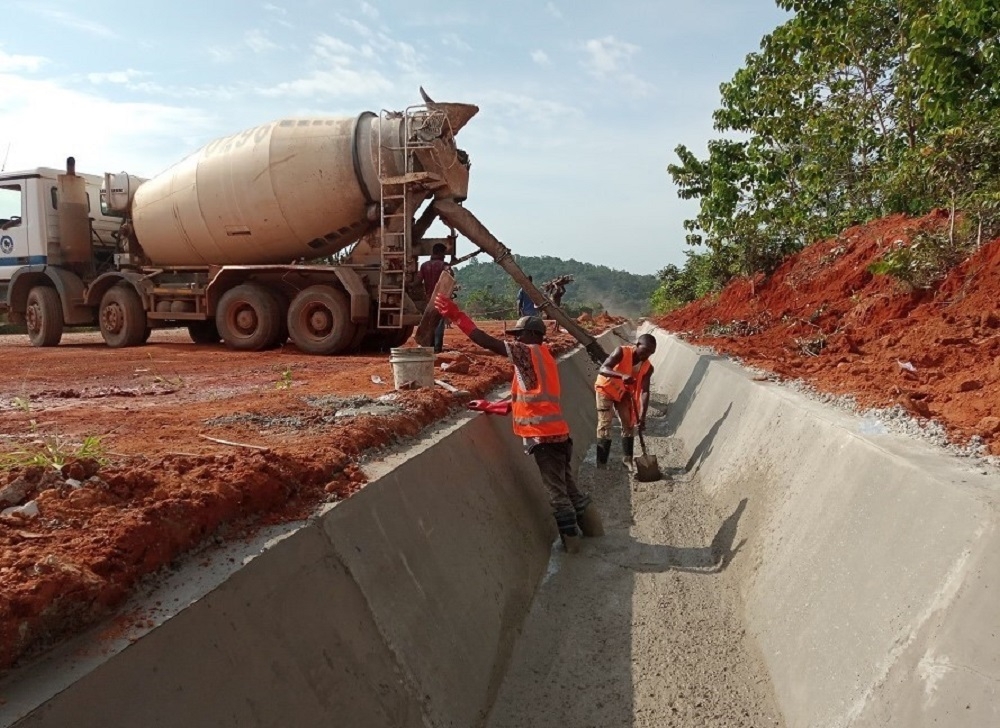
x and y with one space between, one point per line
850 110
487 289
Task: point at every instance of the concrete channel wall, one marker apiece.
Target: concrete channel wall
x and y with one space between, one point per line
870 564
398 607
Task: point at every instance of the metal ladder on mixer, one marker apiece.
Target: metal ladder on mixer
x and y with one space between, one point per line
396 208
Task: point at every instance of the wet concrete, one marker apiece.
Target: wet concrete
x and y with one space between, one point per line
797 571
643 627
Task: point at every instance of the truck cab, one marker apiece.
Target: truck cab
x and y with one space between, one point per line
34 251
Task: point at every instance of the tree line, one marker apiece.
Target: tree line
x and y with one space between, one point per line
851 110
486 291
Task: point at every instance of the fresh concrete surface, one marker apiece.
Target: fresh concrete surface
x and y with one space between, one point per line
864 566
644 627
398 607
872 562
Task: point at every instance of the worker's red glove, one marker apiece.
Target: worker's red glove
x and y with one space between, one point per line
493 408
450 310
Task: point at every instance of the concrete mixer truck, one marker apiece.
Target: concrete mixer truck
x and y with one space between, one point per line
305 228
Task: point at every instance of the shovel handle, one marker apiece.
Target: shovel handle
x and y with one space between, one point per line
635 416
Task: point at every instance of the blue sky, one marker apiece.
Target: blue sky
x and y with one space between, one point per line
581 103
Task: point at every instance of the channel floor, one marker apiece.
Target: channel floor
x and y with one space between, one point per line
643 628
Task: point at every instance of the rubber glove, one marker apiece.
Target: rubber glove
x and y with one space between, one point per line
450 310
493 408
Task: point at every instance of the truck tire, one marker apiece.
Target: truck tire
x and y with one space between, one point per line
319 320
382 340
248 318
122 318
203 332
360 334
282 300
394 339
44 316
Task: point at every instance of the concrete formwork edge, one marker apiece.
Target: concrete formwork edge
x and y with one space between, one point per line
397 607
870 562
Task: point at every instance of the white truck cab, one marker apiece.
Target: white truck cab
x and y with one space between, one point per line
29 219
36 254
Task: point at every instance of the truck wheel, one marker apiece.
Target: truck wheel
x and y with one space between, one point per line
44 316
203 332
319 321
248 318
394 339
282 300
122 317
360 333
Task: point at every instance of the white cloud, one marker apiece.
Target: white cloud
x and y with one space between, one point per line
357 27
75 22
540 113
452 40
115 77
258 42
16 63
369 11
142 138
220 54
336 73
278 11
540 57
608 55
609 59
553 10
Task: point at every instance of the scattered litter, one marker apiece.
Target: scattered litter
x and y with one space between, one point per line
74 483
906 365
234 444
450 388
28 510
376 379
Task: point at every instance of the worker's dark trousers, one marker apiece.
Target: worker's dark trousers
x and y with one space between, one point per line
555 463
439 335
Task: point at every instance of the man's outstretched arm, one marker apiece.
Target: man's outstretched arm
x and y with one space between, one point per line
450 310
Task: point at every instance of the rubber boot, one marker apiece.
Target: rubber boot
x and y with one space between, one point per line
628 450
603 451
571 542
590 521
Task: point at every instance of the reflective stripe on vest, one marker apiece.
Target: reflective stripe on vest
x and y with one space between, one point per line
536 412
614 388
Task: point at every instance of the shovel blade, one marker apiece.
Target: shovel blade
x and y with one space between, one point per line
647 469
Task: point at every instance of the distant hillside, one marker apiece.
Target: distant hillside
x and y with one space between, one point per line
485 285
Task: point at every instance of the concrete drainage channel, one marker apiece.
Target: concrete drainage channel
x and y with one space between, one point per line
796 572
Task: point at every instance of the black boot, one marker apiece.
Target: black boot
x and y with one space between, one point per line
628 450
603 451
568 532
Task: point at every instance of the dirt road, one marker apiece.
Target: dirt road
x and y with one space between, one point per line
643 628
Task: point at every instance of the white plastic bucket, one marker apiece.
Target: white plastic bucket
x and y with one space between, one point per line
412 366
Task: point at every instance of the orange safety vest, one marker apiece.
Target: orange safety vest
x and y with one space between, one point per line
536 412
614 388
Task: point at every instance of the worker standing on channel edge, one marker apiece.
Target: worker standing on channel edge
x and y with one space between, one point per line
623 386
538 418
430 272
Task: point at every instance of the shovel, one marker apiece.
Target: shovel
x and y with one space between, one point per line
646 468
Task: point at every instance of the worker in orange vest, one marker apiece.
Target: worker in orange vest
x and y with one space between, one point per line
538 418
622 386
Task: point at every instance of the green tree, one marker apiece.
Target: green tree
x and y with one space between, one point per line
852 109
